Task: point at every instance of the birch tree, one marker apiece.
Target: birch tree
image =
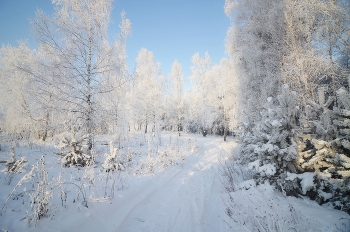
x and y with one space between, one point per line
255 41
16 90
146 91
114 101
27 104
75 35
201 112
224 95
177 93
317 46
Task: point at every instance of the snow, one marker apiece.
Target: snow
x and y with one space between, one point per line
254 165
276 123
325 195
260 208
268 147
268 169
188 196
247 184
307 180
291 176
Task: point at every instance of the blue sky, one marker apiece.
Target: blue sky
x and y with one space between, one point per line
171 29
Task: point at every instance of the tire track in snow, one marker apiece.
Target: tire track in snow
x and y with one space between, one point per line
187 201
158 199
143 194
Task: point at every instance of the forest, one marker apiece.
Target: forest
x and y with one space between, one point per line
275 113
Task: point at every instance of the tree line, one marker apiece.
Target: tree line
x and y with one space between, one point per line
291 60
78 80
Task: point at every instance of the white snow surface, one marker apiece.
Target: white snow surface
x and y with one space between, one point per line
187 197
268 169
247 184
307 180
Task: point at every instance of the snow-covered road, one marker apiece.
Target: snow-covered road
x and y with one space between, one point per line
184 199
180 198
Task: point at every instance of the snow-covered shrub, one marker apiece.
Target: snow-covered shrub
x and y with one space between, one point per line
342 141
129 156
40 198
173 152
73 152
113 161
192 145
247 141
340 171
324 149
167 158
110 163
274 151
23 180
317 132
14 166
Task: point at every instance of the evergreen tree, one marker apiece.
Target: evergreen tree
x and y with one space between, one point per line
274 147
314 147
324 149
341 170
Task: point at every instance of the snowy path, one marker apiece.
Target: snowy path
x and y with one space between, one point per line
187 198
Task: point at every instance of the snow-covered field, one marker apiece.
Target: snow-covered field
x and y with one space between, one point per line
171 184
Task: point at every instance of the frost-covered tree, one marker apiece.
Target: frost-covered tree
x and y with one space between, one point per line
113 103
314 149
76 36
177 83
317 41
274 151
323 148
18 92
304 44
201 112
72 151
212 100
146 92
255 42
223 96
342 141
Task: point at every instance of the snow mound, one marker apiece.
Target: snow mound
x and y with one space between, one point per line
247 184
307 180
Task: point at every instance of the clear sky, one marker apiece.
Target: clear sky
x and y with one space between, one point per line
171 29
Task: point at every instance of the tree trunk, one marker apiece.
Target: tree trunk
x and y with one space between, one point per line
225 126
46 126
88 100
154 123
225 132
204 132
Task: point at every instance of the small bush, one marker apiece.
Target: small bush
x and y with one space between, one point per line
40 198
73 153
113 161
14 166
